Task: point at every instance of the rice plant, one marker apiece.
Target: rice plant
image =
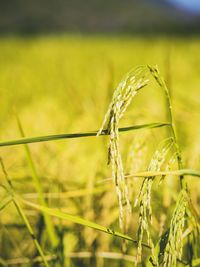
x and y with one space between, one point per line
64 211
115 111
173 250
144 198
126 90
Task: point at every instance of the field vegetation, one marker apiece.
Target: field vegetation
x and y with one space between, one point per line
100 154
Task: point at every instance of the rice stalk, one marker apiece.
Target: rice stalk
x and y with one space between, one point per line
193 224
172 129
38 186
21 213
126 90
75 219
185 172
155 73
174 247
144 197
54 137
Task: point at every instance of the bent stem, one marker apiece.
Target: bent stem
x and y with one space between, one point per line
172 128
54 137
78 220
36 179
22 214
170 117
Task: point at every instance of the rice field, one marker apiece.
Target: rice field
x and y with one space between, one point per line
99 151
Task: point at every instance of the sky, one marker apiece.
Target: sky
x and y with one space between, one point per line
190 5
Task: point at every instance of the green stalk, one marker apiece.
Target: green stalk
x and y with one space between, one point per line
179 172
38 185
183 182
53 137
22 215
170 118
30 230
75 219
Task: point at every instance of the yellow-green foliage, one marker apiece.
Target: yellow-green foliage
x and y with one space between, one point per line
64 84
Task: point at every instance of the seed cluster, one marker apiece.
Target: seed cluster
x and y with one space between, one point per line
173 250
126 90
144 198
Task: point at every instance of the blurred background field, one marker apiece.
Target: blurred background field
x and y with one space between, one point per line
63 83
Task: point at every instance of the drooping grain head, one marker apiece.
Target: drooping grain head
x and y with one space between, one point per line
126 90
173 249
144 198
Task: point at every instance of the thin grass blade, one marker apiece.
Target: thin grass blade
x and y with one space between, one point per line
78 220
38 185
53 137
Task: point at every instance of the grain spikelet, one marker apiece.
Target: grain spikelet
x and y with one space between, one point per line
144 198
126 90
174 245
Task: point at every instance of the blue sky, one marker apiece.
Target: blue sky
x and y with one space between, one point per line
190 5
